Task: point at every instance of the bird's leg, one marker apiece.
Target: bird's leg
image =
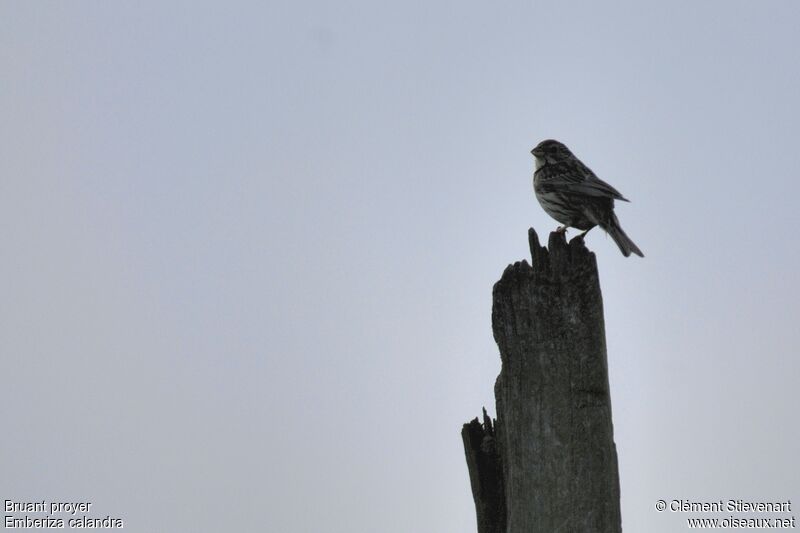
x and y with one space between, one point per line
582 235
561 229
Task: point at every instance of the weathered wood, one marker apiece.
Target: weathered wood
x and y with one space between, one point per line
485 475
553 429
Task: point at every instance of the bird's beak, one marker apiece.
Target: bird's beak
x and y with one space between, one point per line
536 152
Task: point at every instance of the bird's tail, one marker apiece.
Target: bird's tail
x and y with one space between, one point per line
626 245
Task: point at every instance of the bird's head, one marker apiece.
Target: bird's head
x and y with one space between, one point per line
549 152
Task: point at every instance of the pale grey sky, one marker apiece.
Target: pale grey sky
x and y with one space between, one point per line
248 249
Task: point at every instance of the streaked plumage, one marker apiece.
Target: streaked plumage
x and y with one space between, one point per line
573 195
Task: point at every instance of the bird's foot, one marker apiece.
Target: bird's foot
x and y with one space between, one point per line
561 230
582 235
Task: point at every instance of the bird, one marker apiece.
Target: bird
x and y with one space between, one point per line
572 194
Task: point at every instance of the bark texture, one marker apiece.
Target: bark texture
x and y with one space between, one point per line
553 436
485 474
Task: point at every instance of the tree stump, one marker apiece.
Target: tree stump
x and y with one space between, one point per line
549 464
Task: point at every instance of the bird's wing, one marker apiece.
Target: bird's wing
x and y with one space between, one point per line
596 187
578 179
